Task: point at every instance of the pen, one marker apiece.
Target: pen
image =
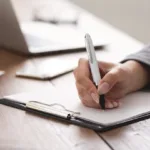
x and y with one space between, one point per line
94 66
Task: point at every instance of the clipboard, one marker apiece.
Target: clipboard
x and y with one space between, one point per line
74 116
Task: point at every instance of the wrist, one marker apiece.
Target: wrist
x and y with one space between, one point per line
139 73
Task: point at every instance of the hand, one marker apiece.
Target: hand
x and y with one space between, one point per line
118 80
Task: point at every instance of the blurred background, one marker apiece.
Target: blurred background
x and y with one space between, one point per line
131 16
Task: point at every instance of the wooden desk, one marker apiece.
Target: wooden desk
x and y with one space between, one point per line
20 130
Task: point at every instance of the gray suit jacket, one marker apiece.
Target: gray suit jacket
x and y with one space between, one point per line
143 56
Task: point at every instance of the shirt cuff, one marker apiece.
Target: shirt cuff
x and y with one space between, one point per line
143 56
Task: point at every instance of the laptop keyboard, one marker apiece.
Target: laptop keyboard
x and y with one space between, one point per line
37 42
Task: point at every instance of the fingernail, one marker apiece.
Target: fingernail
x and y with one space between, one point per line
103 88
109 105
95 97
115 104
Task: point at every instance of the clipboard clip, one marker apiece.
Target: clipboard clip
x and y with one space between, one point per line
55 110
52 109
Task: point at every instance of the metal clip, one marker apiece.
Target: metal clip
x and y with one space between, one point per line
51 109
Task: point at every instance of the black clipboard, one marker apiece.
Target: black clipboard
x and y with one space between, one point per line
70 116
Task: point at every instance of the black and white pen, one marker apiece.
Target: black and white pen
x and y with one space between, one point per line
94 66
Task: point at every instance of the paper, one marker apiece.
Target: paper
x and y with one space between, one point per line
133 104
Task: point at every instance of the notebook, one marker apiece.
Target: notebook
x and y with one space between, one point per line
59 105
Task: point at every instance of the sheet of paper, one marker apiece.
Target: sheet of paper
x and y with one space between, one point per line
132 105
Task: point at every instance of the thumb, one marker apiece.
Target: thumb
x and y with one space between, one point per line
106 66
108 81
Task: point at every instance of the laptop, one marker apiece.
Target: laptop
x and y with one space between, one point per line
36 38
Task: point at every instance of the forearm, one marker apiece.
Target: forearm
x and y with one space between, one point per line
138 73
142 58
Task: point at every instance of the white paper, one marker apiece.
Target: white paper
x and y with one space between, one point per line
132 105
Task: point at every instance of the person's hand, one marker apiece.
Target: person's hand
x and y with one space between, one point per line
118 80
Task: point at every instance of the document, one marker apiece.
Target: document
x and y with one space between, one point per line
133 105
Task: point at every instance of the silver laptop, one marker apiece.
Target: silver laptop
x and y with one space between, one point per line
35 37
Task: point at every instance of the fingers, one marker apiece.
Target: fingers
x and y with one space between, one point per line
82 76
110 79
87 90
109 103
82 69
105 66
88 86
86 98
111 86
88 101
85 87
116 92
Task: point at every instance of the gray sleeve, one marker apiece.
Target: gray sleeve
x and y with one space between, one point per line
143 56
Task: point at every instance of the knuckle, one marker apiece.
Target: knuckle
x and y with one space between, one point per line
117 72
88 104
80 90
112 75
85 103
120 70
79 79
81 96
90 89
